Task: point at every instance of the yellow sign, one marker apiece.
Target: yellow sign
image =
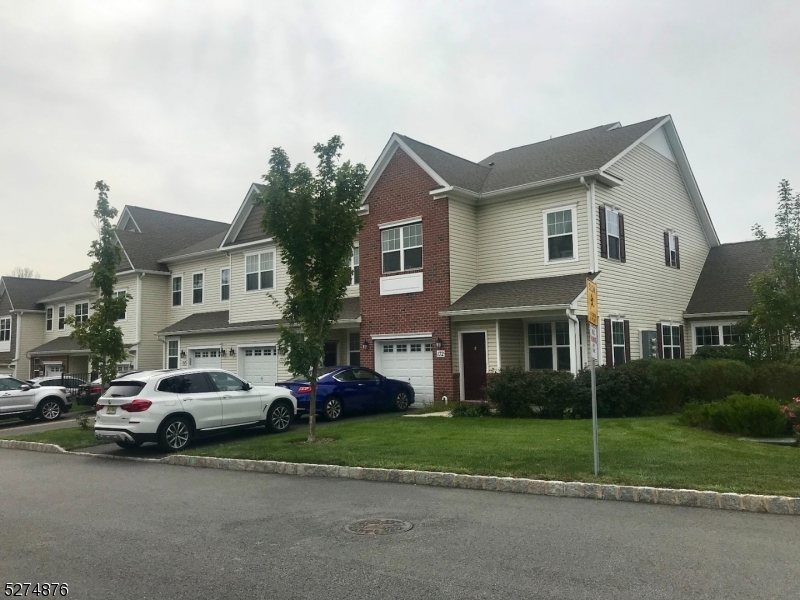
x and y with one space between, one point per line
591 301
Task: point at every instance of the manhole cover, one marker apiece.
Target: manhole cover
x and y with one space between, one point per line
378 527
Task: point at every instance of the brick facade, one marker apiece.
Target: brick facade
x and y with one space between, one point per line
402 192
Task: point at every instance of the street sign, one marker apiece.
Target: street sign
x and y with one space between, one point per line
591 302
593 340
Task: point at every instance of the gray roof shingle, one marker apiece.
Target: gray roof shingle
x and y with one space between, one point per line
723 285
25 293
453 169
59 345
76 275
544 291
82 288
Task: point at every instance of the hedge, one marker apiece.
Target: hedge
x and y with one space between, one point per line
753 415
641 387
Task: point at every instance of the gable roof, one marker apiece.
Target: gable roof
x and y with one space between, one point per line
723 285
77 275
521 295
162 234
75 290
26 293
455 170
246 226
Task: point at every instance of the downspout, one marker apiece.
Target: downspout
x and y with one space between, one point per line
590 203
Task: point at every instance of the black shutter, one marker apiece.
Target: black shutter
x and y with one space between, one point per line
603 236
659 340
666 249
683 346
677 254
621 238
627 341
607 341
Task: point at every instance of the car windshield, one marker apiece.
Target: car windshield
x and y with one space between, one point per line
123 389
322 372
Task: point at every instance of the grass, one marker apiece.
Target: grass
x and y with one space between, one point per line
71 438
656 451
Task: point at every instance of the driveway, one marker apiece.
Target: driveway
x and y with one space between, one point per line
115 529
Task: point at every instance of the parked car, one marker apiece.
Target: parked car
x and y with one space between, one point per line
89 393
349 389
173 407
25 401
72 384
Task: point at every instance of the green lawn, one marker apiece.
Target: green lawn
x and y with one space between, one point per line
644 451
71 438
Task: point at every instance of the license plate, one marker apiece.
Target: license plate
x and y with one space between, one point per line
111 410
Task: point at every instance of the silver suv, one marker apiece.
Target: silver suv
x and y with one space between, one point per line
26 401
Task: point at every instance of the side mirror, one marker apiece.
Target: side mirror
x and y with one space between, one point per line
247 387
25 388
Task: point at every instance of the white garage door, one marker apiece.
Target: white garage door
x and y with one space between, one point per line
205 359
411 361
260 365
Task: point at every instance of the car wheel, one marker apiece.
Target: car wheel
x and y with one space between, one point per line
50 409
401 400
175 434
332 410
129 445
279 417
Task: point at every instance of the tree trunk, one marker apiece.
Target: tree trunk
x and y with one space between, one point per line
312 406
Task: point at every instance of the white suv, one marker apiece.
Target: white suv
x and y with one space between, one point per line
172 407
27 401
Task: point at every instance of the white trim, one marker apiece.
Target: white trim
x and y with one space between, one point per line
402 250
202 289
394 224
189 349
58 321
692 327
228 269
385 158
497 343
125 252
624 153
554 341
574 213
720 315
268 240
240 218
127 213
401 336
18 334
115 294
355 285
5 346
461 355
166 351
609 208
139 286
146 271
618 319
52 318
75 311
229 328
172 290
274 271
510 309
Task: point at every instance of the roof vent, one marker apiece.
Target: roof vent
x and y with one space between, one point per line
616 125
491 164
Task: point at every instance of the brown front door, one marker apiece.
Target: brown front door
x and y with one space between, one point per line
331 354
473 352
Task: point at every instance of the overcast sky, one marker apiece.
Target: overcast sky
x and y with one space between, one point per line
177 104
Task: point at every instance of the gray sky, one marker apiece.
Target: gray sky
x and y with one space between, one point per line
177 104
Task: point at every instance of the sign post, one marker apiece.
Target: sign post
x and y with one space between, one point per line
591 306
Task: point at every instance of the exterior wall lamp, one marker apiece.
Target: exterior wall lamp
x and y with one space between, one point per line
439 343
183 353
232 352
365 344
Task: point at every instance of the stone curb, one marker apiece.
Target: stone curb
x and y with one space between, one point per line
777 505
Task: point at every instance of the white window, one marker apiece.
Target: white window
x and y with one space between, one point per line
402 347
5 334
388 348
707 335
401 248
673 256
671 341
354 267
354 347
225 285
260 271
548 346
122 315
62 314
559 228
172 354
197 288
731 336
81 312
177 291
618 340
48 321
612 235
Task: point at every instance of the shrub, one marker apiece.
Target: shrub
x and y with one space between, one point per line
779 380
463 409
545 394
792 413
751 415
721 352
718 379
623 391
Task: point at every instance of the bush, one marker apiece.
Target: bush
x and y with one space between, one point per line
721 352
544 394
779 380
751 415
623 391
463 409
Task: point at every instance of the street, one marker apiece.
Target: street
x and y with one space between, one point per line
130 530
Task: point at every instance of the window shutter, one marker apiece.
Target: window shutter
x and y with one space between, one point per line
677 254
659 348
603 235
666 248
627 341
683 346
621 238
607 341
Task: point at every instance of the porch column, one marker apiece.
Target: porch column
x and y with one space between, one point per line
574 347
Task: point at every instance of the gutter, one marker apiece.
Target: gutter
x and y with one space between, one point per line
162 335
713 315
510 309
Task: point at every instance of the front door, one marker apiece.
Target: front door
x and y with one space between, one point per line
473 358
331 354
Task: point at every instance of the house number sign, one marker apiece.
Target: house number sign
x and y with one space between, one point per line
440 354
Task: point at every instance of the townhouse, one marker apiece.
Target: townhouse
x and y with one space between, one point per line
462 268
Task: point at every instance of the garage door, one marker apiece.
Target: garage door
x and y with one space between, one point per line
205 359
260 365
411 361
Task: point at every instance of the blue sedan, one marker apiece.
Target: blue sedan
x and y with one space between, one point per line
350 389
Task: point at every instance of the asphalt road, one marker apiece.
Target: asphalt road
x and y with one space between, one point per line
118 529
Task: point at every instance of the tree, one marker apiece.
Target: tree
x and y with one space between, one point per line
314 220
774 317
99 333
24 273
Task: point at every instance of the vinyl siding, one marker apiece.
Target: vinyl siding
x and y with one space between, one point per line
128 326
463 248
643 289
31 335
251 228
255 305
511 242
70 304
5 311
491 341
155 315
512 344
210 266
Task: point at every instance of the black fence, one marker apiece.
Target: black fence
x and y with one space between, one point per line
74 381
